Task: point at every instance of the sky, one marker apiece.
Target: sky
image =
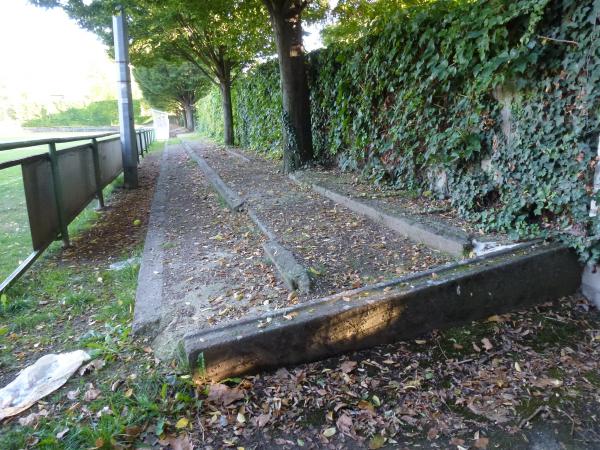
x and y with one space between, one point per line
46 55
46 59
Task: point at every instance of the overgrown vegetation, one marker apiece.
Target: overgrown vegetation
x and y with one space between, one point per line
495 104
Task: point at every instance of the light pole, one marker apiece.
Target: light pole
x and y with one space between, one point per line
126 125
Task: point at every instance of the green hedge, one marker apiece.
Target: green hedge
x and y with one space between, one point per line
209 113
500 98
100 113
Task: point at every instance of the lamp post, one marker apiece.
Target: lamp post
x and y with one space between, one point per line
126 124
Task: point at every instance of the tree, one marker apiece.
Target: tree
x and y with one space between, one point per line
220 37
352 19
286 21
173 87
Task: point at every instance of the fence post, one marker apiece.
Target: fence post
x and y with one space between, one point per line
58 194
96 157
146 140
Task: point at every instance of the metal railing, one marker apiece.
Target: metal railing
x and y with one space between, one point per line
59 184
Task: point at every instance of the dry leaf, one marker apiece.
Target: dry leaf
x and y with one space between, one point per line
329 432
91 394
61 434
181 442
182 423
344 424
487 344
432 433
547 383
348 366
262 420
223 394
72 395
366 405
481 443
376 442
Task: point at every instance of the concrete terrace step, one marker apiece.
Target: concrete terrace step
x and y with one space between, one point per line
432 233
407 307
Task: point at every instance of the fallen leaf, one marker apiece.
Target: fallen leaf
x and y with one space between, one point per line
344 424
61 434
547 383
72 395
181 442
487 344
495 318
457 441
223 394
432 433
329 432
182 423
377 441
366 405
348 366
91 394
262 420
481 443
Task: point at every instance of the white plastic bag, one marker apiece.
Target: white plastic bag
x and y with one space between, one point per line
38 380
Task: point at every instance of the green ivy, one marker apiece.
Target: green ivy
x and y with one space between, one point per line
503 97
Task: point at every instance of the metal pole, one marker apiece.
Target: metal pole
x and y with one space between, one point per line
139 141
97 175
128 141
58 194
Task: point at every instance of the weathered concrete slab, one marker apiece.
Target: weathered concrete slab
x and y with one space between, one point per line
234 201
435 235
404 308
590 284
293 274
148 298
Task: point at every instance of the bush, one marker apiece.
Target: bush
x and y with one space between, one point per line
501 99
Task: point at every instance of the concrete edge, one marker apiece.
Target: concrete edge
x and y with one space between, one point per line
442 237
148 298
237 154
293 274
233 201
387 312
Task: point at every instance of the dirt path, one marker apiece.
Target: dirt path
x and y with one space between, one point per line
341 250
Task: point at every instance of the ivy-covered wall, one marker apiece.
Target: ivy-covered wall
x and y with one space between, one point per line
494 103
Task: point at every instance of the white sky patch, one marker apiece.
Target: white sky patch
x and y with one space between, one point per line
44 55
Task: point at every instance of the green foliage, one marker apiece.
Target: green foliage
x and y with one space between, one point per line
100 113
501 97
171 86
210 115
353 19
258 102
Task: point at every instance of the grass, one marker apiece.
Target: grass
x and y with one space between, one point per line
15 237
58 307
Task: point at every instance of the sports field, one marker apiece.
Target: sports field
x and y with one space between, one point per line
15 240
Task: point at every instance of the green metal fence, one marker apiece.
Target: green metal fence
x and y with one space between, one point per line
58 184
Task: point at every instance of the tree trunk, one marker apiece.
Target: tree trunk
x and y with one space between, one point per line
225 85
297 133
188 113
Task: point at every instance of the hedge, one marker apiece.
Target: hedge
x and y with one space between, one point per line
495 104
